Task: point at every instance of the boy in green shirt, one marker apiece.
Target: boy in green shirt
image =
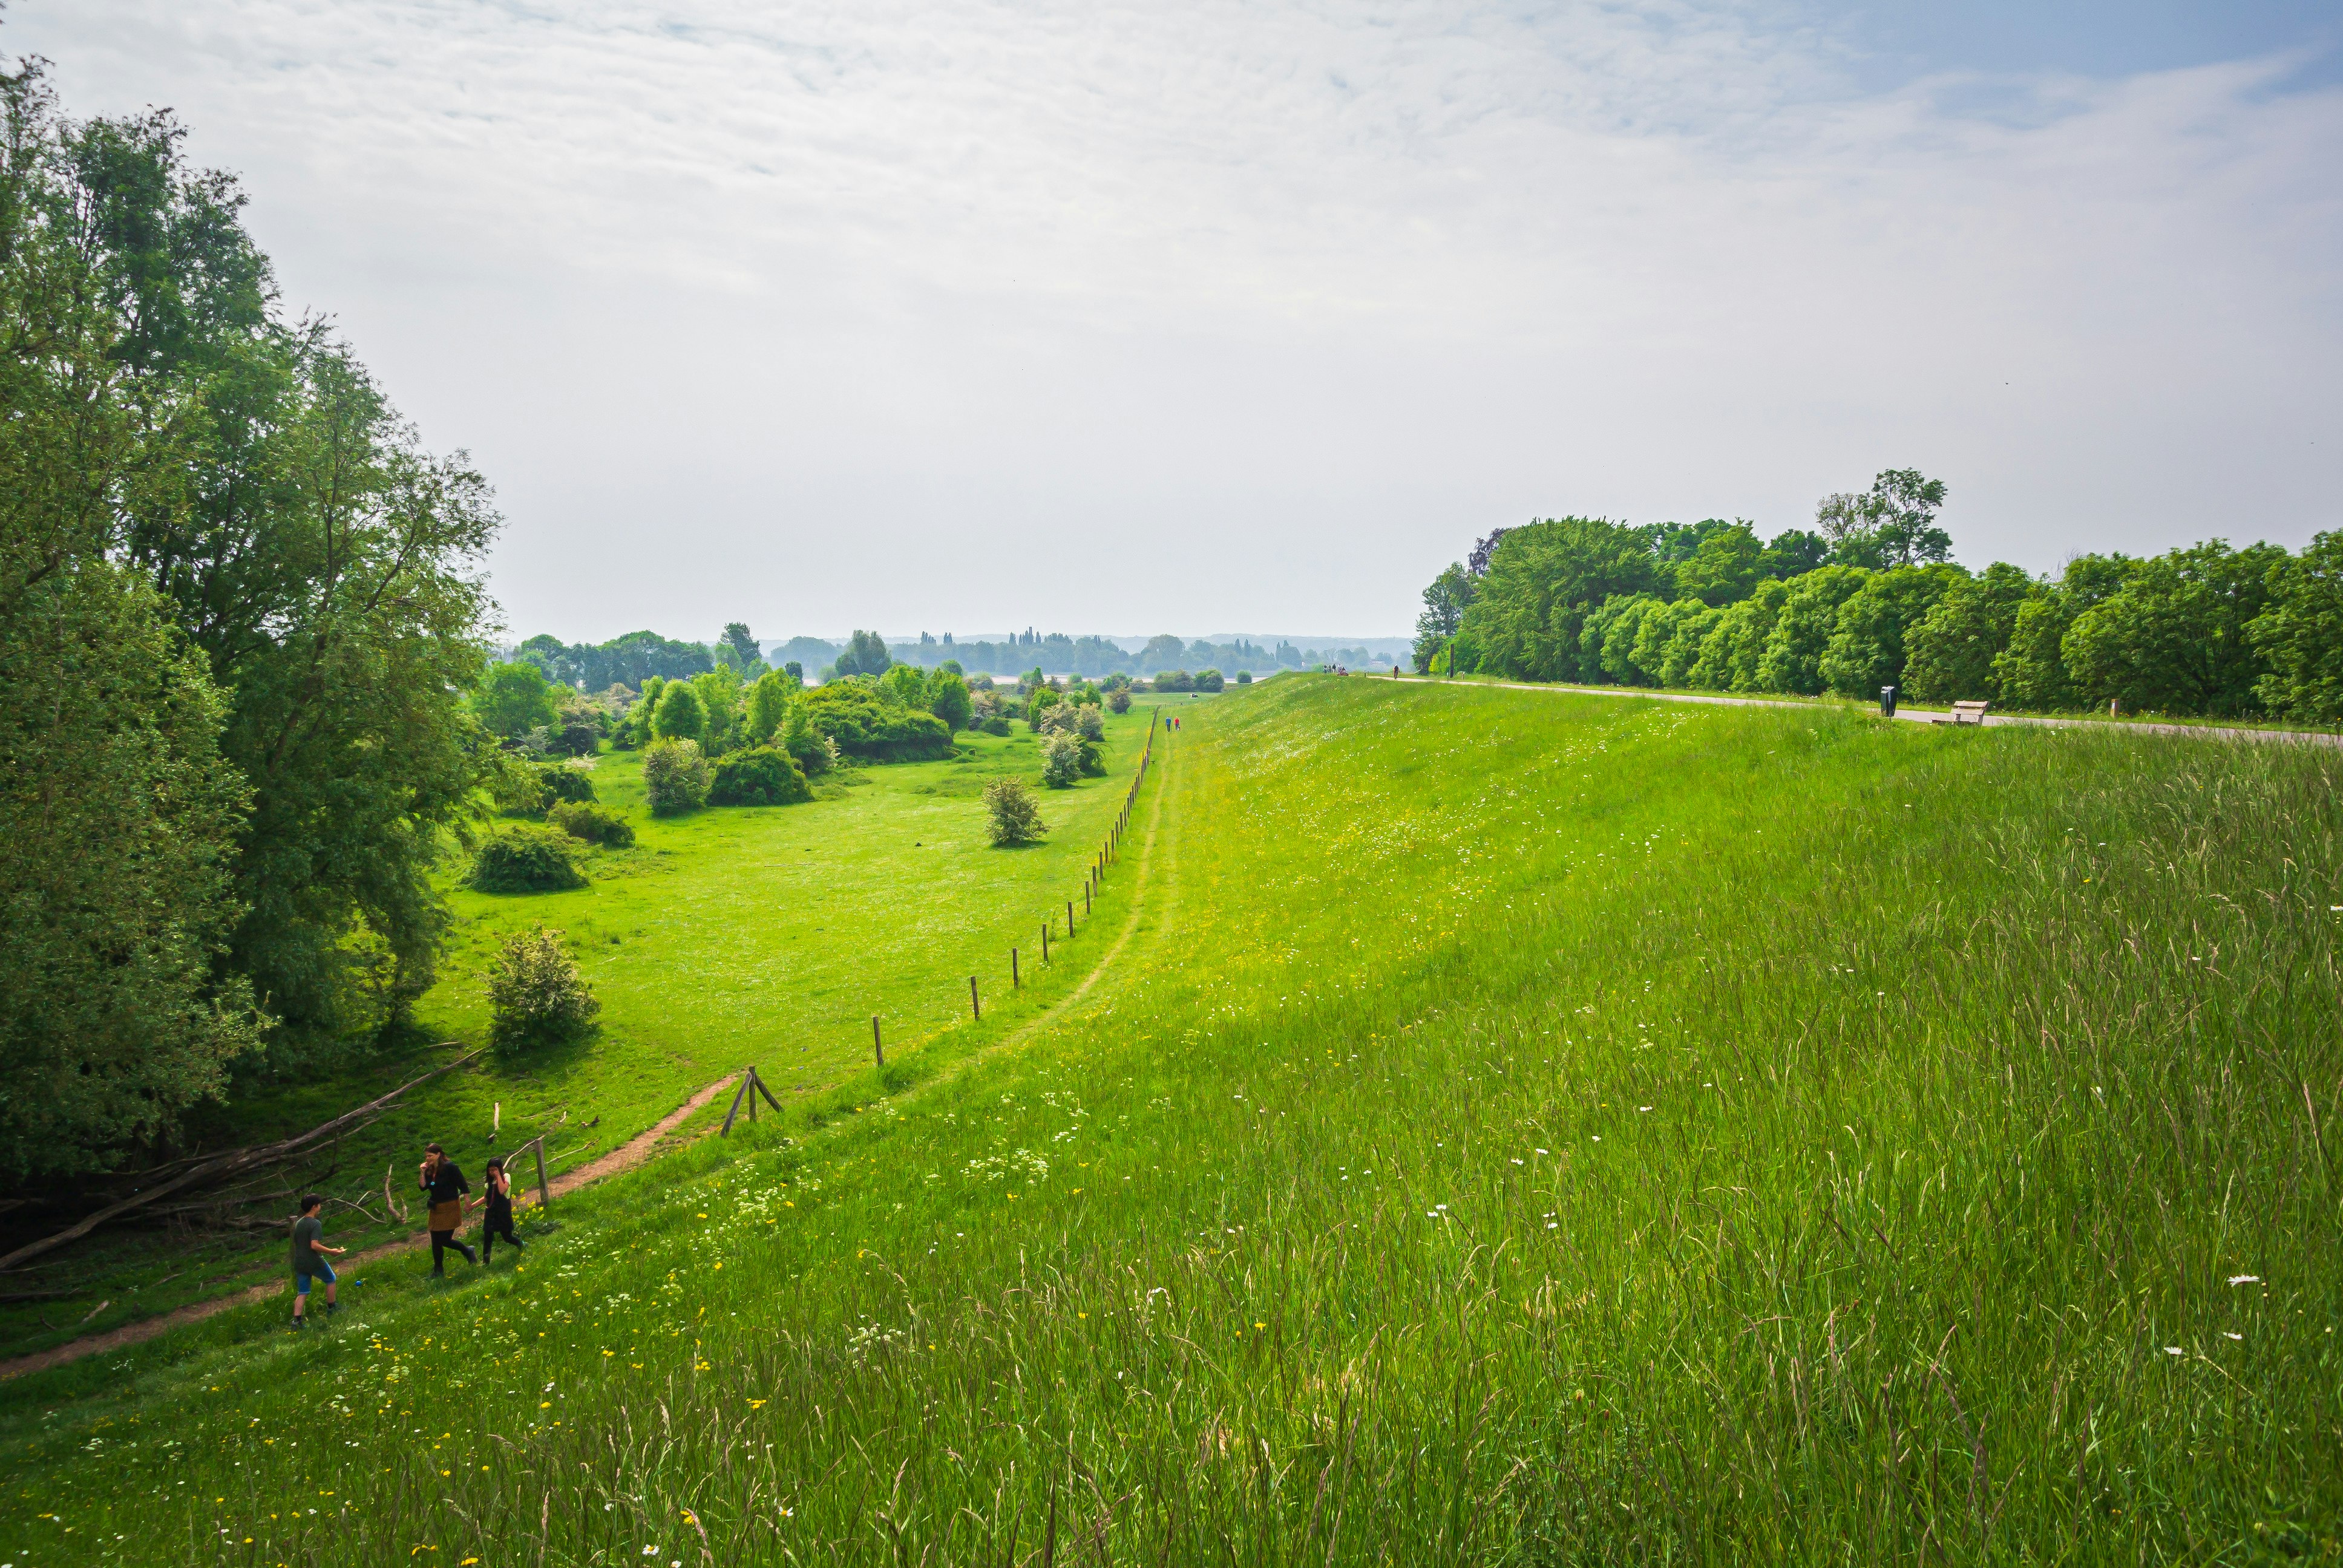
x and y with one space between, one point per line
309 1257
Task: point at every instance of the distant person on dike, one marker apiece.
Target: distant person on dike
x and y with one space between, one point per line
497 1202
446 1186
309 1258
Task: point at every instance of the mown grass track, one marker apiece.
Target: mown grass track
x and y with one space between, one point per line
1539 1129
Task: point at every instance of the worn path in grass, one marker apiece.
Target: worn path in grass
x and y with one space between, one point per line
1918 714
626 1156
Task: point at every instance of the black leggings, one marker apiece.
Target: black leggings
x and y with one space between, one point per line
489 1233
440 1241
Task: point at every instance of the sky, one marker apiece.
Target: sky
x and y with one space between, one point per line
1219 316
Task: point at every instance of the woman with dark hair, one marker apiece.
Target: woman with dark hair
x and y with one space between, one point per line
499 1222
447 1187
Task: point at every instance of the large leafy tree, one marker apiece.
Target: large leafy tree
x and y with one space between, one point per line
2300 634
515 698
865 653
1952 652
324 567
2174 637
1543 580
1444 604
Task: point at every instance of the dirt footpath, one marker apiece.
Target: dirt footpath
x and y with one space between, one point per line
626 1156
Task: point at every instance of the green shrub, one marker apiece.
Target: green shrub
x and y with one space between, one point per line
1061 759
564 783
675 776
516 789
761 776
521 860
1120 699
594 824
1175 681
862 723
1012 813
1244 678
996 725
1207 680
1090 723
536 994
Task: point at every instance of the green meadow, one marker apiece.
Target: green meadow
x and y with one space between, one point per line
1476 1125
763 935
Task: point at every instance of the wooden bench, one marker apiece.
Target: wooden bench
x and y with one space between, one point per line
1964 713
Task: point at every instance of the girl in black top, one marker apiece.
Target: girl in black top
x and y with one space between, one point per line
447 1187
498 1221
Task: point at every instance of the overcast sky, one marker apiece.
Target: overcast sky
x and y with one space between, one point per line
1212 317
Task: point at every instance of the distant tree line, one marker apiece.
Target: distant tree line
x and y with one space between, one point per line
637 656
1869 598
239 613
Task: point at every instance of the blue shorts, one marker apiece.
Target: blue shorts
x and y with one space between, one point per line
319 1268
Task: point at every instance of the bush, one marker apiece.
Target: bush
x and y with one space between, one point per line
1120 699
1061 759
1015 816
1062 719
761 776
527 861
996 725
594 824
1244 678
675 776
864 724
1175 681
536 994
578 736
1090 723
561 783
1207 680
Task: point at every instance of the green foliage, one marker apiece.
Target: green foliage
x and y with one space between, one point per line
681 715
860 720
593 823
949 700
1174 680
719 691
807 747
761 776
565 783
866 654
1208 680
1444 604
513 699
1734 650
1724 569
770 701
1865 650
323 568
1953 650
906 684
2174 637
1244 678
675 776
2300 635
1061 759
523 859
738 650
536 995
1090 724
1528 617
1012 815
1802 632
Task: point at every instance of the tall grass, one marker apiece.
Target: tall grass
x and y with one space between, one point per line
1519 1128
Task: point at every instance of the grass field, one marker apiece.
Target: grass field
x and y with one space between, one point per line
767 935
1500 1126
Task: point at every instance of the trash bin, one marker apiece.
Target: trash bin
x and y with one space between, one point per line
1887 702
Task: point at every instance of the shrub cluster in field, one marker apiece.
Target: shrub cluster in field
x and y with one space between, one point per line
525 859
1870 599
1011 814
536 995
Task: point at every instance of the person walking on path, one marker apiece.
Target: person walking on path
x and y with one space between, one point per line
499 1222
309 1258
446 1186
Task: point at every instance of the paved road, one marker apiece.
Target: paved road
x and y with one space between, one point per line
2142 726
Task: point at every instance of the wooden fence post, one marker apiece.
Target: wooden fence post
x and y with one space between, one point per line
975 1004
1013 982
1069 917
878 1047
747 1076
1045 941
544 1188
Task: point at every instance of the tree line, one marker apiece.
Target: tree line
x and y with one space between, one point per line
639 654
1869 597
239 613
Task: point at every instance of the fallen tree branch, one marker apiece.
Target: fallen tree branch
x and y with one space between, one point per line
234 1162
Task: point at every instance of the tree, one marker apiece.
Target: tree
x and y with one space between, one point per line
1444 603
1061 759
1723 568
1164 651
1011 814
513 699
2174 637
675 776
865 653
2031 671
906 684
1953 650
1865 650
949 700
1794 552
2300 635
1208 680
679 715
1905 503
1529 611
1793 661
1734 649
769 707
536 995
745 656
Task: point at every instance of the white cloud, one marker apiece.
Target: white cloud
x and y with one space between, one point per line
1231 314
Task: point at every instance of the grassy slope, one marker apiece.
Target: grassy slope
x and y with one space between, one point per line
768 935
1517 1126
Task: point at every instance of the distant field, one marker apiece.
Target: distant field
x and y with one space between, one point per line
1505 1126
765 935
